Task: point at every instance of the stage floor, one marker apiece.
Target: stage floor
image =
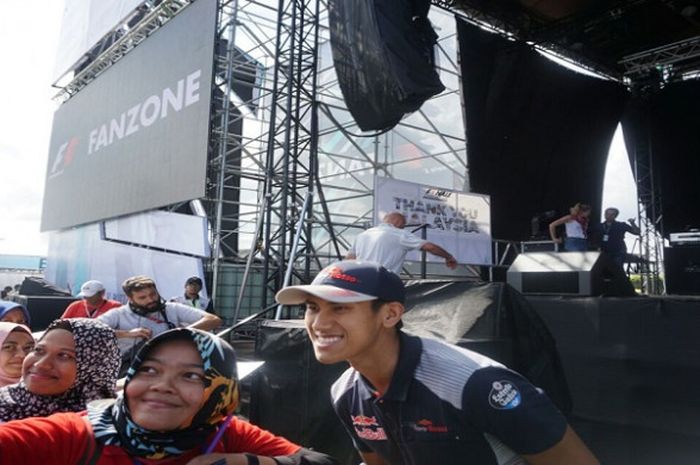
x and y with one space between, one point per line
632 366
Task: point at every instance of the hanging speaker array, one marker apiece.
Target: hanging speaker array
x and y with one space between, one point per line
384 58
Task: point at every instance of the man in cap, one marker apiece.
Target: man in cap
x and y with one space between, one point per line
407 399
191 297
92 303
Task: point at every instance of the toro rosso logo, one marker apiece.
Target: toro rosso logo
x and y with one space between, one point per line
368 428
335 272
64 157
427 426
504 395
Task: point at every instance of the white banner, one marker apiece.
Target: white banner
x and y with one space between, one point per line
79 254
165 230
456 221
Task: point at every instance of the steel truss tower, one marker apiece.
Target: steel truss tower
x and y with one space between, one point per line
649 202
289 182
278 164
304 178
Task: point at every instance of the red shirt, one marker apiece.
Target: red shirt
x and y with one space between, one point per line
81 309
62 438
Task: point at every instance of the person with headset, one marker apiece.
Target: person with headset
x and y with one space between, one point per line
147 314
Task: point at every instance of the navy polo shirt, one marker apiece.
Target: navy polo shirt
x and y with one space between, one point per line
447 405
613 237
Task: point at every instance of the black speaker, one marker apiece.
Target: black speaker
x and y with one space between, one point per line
383 56
572 273
682 269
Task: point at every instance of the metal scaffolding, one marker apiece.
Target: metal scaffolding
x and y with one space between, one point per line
303 178
290 181
263 170
678 57
126 35
649 206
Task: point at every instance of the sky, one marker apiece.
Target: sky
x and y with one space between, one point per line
28 40
28 36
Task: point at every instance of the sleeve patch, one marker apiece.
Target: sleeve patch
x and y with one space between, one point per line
504 395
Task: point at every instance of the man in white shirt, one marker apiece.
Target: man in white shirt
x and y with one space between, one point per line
147 314
388 243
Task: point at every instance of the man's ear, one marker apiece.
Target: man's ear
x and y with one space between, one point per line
393 311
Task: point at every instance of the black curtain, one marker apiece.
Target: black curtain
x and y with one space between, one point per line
538 134
666 124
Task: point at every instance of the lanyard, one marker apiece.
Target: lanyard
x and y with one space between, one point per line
95 310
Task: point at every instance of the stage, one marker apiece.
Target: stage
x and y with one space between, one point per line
631 364
622 369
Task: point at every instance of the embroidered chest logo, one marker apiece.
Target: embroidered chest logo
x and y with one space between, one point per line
368 428
504 395
427 426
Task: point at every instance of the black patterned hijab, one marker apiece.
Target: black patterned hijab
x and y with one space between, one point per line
97 358
113 425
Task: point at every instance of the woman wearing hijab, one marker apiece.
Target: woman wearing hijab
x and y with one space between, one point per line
13 312
74 362
176 408
16 341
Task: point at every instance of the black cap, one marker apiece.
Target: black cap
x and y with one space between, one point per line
348 281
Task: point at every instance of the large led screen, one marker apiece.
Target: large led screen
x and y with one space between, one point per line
136 137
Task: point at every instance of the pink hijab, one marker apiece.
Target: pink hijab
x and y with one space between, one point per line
5 329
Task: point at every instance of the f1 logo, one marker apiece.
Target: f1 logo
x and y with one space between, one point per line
64 156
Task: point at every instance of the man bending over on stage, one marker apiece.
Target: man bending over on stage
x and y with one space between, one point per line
407 399
388 243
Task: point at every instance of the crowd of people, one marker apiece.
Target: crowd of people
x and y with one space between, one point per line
179 393
404 399
175 405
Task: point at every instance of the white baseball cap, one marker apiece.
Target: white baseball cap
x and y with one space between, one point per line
90 288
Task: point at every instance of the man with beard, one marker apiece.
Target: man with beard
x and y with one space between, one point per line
147 314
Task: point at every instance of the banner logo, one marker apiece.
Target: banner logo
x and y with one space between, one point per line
64 157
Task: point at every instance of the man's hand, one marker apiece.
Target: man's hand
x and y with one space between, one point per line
142 333
451 262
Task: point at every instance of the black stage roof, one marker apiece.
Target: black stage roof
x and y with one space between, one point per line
618 38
